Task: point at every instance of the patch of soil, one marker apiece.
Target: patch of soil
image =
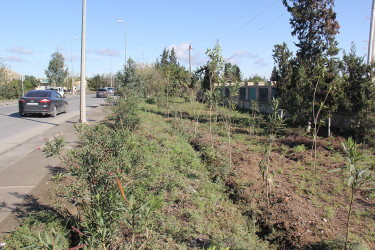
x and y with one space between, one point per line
295 217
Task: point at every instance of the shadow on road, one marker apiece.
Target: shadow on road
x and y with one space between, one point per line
29 118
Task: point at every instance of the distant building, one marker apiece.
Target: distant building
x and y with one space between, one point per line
262 92
44 82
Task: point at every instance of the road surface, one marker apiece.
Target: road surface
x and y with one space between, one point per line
22 166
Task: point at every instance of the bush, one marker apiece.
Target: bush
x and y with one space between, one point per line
125 113
151 100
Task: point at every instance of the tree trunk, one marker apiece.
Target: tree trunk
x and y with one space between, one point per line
347 224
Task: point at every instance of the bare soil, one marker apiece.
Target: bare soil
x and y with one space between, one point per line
297 217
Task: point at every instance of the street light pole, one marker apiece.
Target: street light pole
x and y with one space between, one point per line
71 58
370 56
121 21
82 117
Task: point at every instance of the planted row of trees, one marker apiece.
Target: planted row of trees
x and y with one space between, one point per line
314 83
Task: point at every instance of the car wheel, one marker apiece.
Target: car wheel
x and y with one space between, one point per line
22 114
54 111
97 96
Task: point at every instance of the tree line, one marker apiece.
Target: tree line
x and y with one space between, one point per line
311 83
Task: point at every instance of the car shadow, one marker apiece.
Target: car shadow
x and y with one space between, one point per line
29 117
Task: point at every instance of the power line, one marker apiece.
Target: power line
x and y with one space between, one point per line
252 9
274 20
245 14
259 14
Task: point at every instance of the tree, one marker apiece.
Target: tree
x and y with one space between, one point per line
56 72
172 57
314 23
215 67
358 93
30 82
256 78
128 79
359 175
153 79
3 72
178 76
232 72
95 82
291 83
164 59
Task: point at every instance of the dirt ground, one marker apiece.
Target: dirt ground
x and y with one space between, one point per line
295 219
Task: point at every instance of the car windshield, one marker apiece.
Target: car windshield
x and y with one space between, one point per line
38 93
102 90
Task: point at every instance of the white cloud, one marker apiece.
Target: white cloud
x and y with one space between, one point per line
239 55
107 52
14 59
261 62
20 50
182 53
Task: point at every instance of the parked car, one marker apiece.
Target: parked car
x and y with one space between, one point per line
111 90
103 92
59 90
47 102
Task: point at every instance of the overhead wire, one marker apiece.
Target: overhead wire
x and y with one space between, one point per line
252 9
255 17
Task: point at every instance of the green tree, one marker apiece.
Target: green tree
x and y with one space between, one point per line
215 67
3 72
30 82
178 76
232 72
358 94
256 78
314 24
172 57
359 176
164 61
154 81
129 80
95 82
56 72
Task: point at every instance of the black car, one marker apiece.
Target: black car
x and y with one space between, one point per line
103 92
47 102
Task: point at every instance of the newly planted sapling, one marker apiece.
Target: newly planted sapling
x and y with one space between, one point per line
359 176
254 116
275 124
228 111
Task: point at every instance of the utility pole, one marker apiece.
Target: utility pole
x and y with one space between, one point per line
126 28
23 90
370 55
190 58
71 58
82 117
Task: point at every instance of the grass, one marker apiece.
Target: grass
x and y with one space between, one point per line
193 208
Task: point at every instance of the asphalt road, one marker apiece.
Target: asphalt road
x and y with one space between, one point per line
22 165
15 129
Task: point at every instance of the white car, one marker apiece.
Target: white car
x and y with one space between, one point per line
59 90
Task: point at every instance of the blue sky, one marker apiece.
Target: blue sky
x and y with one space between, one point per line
247 31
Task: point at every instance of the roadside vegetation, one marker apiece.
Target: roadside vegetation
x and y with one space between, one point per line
177 164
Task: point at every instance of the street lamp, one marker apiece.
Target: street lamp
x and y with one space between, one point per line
71 58
121 21
82 117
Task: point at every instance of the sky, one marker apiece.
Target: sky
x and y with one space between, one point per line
246 30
